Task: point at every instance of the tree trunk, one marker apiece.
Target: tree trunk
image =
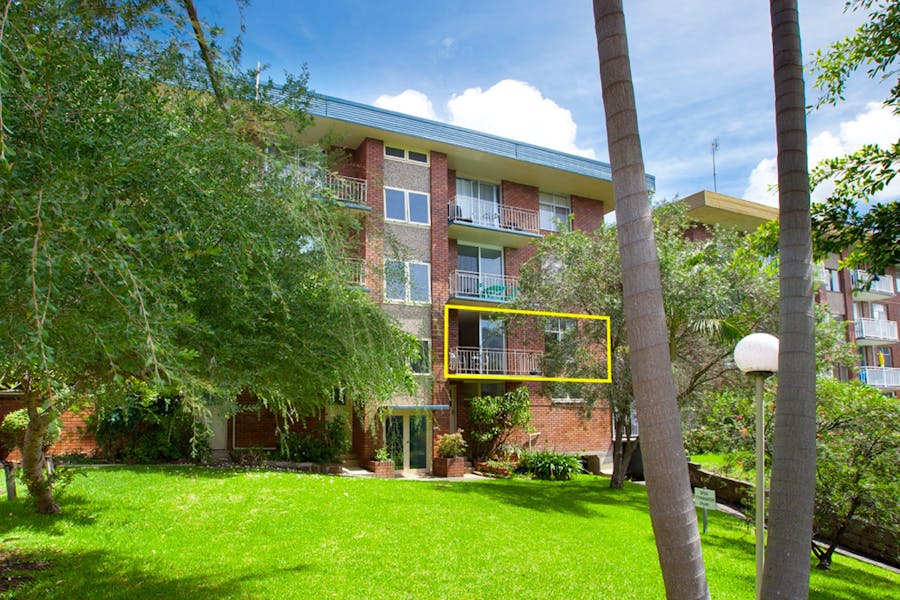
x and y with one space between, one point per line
33 455
623 450
672 511
794 458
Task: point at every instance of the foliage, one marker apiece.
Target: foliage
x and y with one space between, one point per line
382 455
12 430
857 473
451 445
870 233
737 297
151 233
325 444
495 417
723 421
502 525
549 465
148 427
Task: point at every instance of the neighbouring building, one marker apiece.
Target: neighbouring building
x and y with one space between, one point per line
870 305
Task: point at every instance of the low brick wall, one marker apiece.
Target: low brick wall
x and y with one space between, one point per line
733 492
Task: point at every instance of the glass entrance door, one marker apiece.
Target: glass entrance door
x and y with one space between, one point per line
406 437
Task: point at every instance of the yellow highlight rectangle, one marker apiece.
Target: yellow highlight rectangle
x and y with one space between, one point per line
536 313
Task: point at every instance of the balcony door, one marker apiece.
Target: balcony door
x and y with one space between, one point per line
482 344
479 201
407 439
480 271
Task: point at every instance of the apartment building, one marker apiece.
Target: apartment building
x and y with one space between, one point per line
449 217
870 305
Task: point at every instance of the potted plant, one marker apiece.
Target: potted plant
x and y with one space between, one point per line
449 460
382 464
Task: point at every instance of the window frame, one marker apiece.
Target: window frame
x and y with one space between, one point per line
406 155
407 281
406 206
554 201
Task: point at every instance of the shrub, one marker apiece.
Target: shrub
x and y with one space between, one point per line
324 444
495 417
545 464
382 455
149 427
451 445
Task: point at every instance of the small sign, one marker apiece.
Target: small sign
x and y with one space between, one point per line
704 498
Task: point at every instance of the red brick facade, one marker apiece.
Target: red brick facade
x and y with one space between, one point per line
74 437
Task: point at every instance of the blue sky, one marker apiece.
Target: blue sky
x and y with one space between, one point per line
527 69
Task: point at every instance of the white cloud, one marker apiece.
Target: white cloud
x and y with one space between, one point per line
410 102
509 108
877 125
517 110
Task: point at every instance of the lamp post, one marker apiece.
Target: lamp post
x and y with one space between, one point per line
757 356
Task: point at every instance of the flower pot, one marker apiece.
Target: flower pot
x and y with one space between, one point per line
382 468
448 467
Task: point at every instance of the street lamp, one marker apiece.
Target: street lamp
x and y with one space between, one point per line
757 356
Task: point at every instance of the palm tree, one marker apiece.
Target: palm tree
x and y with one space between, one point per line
672 511
794 457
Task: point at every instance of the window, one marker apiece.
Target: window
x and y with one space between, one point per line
554 208
832 280
422 364
556 329
883 357
879 311
407 281
403 205
477 201
404 154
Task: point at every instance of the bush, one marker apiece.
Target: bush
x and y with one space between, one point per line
545 464
148 428
324 444
495 417
451 445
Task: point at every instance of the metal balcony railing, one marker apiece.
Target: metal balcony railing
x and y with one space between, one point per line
467 209
347 189
875 329
356 272
484 361
880 285
484 286
880 377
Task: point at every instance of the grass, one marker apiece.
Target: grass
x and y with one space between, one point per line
173 532
725 464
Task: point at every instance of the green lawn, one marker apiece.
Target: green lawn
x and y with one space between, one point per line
156 532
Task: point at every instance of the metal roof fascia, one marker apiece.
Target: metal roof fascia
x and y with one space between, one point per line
379 118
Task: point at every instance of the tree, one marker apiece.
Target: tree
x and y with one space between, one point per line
858 454
494 418
149 232
672 511
794 461
704 322
872 235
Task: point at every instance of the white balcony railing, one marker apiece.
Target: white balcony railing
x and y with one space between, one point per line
880 377
880 285
483 286
356 272
467 209
347 189
483 361
875 329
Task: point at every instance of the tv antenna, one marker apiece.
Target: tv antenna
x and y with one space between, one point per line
715 148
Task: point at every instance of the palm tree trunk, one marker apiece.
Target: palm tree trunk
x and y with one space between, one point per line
794 458
672 511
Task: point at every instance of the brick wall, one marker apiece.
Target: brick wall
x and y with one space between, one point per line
257 427
73 438
588 213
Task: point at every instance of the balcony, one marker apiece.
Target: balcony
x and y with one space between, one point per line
349 191
469 287
490 361
875 332
476 220
880 288
884 378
